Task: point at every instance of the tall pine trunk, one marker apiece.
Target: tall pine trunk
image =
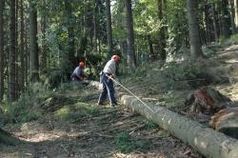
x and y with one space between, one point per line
195 43
95 26
162 32
232 16
17 52
225 18
150 45
1 50
236 12
208 23
109 27
22 76
43 59
12 53
34 56
131 59
214 22
70 28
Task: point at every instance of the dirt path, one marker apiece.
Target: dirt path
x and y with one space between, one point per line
97 132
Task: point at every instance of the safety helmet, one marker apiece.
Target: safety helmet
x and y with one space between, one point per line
116 58
81 64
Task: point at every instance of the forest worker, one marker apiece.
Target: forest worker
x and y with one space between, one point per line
109 73
78 73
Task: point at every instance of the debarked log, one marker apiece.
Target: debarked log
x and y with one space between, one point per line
207 141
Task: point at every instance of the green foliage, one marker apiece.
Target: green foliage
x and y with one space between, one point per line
74 112
232 40
150 124
146 19
175 73
177 24
27 106
126 144
55 77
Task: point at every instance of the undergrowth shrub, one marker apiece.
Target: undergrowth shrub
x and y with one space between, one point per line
228 41
176 75
27 106
55 77
149 124
126 144
75 112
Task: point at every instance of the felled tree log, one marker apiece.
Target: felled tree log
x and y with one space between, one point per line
207 100
207 141
226 121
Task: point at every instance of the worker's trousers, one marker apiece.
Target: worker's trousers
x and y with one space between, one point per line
108 90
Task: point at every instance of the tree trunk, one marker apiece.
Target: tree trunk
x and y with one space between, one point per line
109 27
26 53
43 60
208 142
1 50
21 53
195 43
17 51
232 16
34 56
131 59
208 22
162 32
95 26
214 21
150 46
208 101
236 12
224 18
12 55
71 41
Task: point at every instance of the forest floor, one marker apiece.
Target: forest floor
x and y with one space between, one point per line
75 127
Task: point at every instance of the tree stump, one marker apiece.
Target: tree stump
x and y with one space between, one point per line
226 121
207 100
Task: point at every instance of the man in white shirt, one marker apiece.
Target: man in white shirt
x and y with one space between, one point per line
109 72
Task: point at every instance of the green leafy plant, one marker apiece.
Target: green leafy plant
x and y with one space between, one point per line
150 124
126 144
27 106
175 73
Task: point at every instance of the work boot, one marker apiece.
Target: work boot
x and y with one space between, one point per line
113 104
100 103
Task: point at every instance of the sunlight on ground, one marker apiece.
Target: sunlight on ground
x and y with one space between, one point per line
138 155
41 137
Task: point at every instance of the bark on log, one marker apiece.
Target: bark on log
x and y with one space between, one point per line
207 141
